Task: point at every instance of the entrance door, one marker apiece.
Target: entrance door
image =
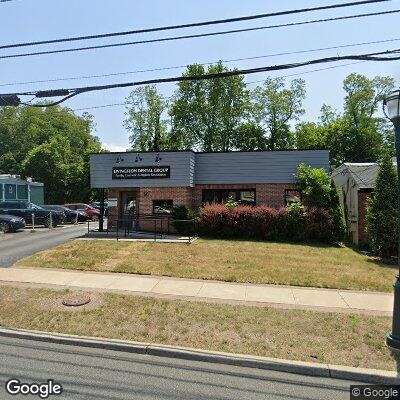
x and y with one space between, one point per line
127 209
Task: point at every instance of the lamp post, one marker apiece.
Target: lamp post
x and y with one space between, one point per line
391 108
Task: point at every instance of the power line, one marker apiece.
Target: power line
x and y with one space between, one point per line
72 92
247 83
205 63
168 39
192 25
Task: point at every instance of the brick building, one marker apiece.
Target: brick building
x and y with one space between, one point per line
356 184
150 183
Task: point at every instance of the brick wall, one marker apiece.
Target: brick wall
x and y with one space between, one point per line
271 194
181 196
362 217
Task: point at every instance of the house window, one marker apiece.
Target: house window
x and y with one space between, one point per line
163 207
221 196
292 196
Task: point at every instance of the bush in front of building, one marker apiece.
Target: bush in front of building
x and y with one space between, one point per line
184 220
382 228
318 190
292 224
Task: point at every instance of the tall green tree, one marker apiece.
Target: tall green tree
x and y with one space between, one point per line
146 119
275 107
250 136
206 114
358 134
382 226
51 144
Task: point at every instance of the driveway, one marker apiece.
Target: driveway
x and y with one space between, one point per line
87 374
18 245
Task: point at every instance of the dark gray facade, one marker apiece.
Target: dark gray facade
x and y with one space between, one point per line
181 169
255 167
187 169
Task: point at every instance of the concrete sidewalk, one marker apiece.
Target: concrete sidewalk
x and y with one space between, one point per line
202 290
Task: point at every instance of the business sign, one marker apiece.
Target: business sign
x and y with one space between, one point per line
156 172
112 202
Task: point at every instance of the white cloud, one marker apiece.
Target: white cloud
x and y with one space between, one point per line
114 148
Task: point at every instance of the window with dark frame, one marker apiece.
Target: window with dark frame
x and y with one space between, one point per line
163 207
292 196
221 196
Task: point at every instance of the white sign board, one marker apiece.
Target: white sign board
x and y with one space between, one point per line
113 202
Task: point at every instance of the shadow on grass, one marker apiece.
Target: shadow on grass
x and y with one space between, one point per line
251 240
381 262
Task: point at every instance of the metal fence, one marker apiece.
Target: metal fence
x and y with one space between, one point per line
151 226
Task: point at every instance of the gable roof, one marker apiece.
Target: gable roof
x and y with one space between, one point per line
364 174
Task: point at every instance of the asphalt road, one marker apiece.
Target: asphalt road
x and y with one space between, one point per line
14 246
87 374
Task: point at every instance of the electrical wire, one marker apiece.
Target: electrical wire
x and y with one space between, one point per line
72 92
247 83
193 36
194 24
205 63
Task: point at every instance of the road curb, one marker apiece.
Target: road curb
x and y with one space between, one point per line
274 364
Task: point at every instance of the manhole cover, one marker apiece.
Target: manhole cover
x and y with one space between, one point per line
76 300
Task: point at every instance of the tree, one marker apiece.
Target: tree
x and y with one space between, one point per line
249 136
358 134
275 106
51 144
382 226
320 191
206 114
314 184
144 118
310 135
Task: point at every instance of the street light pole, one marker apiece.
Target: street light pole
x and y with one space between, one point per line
391 108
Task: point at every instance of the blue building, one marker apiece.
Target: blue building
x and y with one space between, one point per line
12 187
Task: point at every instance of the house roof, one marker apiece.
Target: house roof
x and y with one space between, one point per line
364 174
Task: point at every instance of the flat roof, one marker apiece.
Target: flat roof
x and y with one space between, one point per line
206 152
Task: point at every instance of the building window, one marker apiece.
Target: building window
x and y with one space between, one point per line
221 196
163 207
292 196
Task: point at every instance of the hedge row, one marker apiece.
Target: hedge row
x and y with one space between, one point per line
284 224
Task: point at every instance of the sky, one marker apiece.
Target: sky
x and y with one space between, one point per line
31 20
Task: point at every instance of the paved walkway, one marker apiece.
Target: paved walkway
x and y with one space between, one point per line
201 290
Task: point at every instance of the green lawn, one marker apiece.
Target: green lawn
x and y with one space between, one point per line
226 260
346 339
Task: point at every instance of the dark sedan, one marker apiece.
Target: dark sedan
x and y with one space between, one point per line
70 216
31 213
11 223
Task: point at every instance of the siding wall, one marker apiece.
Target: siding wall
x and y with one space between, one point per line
181 163
189 169
255 167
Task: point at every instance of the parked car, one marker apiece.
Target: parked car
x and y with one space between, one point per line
25 210
11 223
96 205
70 216
90 211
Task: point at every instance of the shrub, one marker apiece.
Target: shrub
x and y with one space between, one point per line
382 230
292 224
183 220
319 191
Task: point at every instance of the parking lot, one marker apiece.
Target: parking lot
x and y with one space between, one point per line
14 246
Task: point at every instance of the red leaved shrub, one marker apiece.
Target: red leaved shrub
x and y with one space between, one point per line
265 223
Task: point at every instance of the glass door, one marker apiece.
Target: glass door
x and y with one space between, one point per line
127 210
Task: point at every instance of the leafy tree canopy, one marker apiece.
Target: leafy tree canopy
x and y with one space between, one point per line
51 145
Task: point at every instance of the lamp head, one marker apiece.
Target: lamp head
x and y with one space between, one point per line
391 107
